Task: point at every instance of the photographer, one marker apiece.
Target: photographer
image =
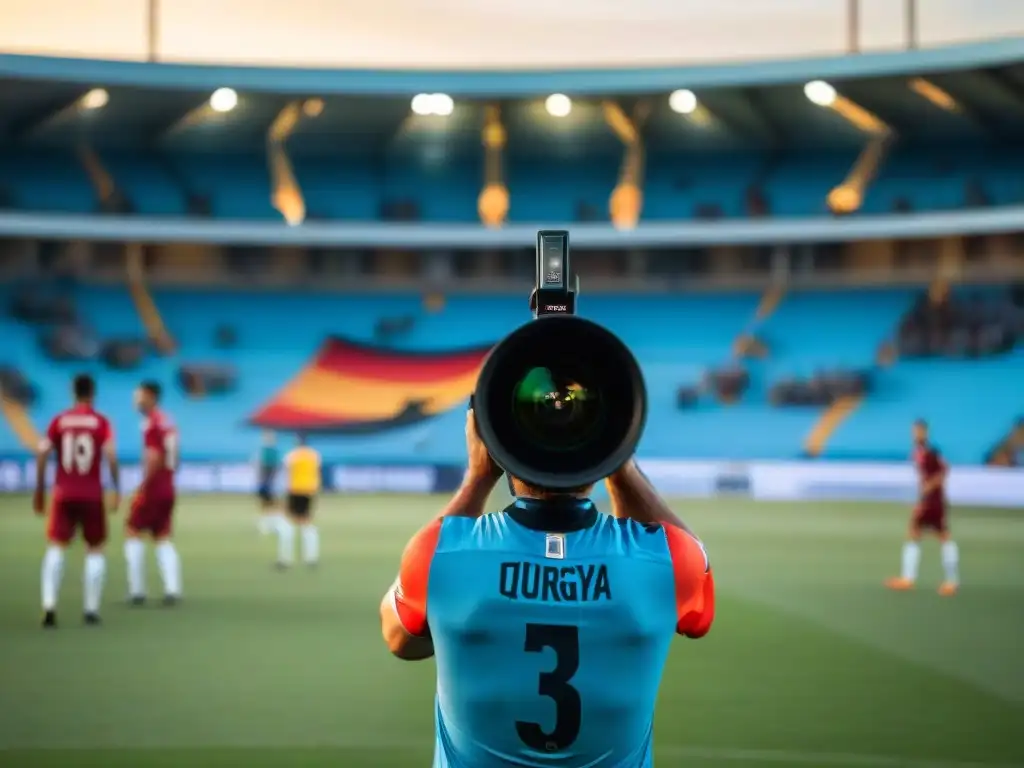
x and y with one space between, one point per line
550 621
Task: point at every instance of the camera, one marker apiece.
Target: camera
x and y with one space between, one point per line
560 402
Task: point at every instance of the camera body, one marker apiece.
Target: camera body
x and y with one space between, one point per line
560 402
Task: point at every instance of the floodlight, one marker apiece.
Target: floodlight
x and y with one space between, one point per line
442 104
313 107
682 101
223 100
558 105
422 104
97 98
821 93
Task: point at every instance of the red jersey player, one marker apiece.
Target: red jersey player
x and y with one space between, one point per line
153 505
929 514
81 437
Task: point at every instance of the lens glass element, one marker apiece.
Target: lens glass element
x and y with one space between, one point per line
557 412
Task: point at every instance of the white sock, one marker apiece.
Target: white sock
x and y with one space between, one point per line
310 544
911 558
169 563
951 561
286 542
135 557
53 570
95 572
267 523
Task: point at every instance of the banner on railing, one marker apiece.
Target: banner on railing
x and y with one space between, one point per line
18 475
766 481
831 481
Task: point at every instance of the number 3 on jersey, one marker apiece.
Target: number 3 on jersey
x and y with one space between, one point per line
77 450
565 642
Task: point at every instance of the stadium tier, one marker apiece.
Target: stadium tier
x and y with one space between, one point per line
309 361
445 190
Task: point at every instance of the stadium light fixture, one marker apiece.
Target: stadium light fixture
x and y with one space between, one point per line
558 105
97 98
821 93
421 104
440 104
443 104
313 107
223 100
682 102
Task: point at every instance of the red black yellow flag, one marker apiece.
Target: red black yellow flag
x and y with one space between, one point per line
350 387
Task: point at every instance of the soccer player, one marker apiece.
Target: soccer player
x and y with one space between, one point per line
267 463
550 621
929 514
153 506
81 437
302 464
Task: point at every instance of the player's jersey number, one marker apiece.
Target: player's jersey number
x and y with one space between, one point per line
77 451
565 642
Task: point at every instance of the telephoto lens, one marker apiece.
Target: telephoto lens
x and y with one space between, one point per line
560 402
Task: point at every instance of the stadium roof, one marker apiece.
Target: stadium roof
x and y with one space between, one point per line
985 106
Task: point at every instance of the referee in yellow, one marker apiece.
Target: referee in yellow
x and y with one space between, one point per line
303 470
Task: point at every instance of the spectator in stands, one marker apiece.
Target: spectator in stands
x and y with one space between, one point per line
757 202
728 382
71 342
822 389
956 326
15 386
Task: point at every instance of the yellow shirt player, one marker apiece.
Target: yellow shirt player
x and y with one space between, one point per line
303 469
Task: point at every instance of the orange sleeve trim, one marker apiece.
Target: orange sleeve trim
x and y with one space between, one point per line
410 590
695 584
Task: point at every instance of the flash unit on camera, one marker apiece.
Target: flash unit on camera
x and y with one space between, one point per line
553 261
554 294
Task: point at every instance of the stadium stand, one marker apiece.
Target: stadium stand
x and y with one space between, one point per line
677 339
237 187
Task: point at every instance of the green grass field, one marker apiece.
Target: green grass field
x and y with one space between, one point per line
810 662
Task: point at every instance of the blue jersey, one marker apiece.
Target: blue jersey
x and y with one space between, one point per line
551 626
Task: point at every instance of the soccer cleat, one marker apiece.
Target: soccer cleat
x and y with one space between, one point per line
948 588
92 619
171 600
899 583
49 620
137 600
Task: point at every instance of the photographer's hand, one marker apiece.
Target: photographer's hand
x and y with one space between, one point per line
482 475
633 496
480 462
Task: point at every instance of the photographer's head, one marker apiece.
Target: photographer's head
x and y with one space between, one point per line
523 490
482 466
